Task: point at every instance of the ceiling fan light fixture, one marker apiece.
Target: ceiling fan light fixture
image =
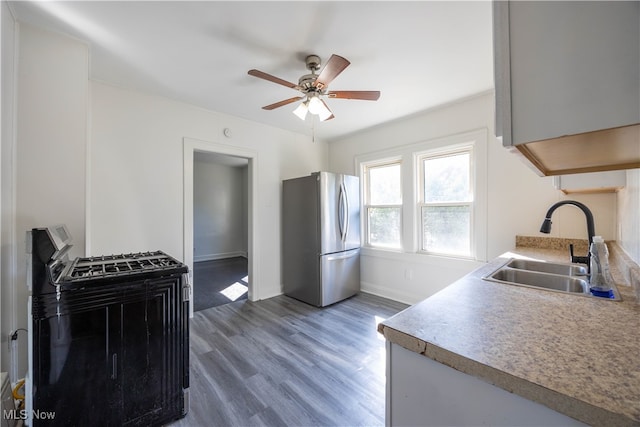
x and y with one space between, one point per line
301 111
315 105
319 108
324 114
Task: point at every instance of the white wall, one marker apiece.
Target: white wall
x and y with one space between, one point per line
517 199
7 117
49 165
136 173
219 209
245 210
629 215
52 133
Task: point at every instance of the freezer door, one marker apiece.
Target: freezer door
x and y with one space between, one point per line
339 276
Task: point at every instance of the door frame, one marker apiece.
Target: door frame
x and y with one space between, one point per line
190 147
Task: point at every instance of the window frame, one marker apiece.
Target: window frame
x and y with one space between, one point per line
406 154
366 201
441 152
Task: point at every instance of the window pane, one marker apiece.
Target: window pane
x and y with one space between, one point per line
384 185
447 229
384 227
446 179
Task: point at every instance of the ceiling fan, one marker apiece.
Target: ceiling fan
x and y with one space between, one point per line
315 86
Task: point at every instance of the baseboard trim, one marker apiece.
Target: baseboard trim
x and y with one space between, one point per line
392 294
213 257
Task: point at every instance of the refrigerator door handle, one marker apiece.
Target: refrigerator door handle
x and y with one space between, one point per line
342 255
346 212
343 212
341 215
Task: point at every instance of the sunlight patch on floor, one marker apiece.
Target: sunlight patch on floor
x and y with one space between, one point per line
235 291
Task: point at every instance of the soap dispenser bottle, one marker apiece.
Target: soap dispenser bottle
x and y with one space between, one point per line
600 280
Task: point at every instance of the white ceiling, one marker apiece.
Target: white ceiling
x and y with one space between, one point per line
419 54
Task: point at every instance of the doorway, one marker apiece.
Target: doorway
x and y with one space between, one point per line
224 153
220 269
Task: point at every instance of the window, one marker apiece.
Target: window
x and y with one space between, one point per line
383 204
426 198
445 202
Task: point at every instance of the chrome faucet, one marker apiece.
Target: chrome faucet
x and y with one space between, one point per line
546 228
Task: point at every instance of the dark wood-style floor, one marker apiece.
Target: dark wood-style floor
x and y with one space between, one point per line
218 282
281 362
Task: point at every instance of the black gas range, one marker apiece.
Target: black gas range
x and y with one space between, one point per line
109 335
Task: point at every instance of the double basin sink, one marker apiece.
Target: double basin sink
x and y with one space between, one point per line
568 278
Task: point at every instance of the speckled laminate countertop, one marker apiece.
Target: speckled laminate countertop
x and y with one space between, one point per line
577 355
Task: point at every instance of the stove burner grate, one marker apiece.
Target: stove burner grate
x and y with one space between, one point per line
120 265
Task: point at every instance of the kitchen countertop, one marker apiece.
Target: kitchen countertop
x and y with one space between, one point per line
577 355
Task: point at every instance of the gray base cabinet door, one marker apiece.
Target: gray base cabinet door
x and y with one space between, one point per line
423 392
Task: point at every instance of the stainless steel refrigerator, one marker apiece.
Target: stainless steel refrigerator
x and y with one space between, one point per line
321 237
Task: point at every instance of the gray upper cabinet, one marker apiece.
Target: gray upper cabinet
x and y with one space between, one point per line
567 78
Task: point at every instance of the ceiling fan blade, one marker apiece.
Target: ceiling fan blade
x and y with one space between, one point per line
282 103
367 95
334 66
262 75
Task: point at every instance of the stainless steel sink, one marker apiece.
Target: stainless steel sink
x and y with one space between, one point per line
548 267
568 278
546 281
